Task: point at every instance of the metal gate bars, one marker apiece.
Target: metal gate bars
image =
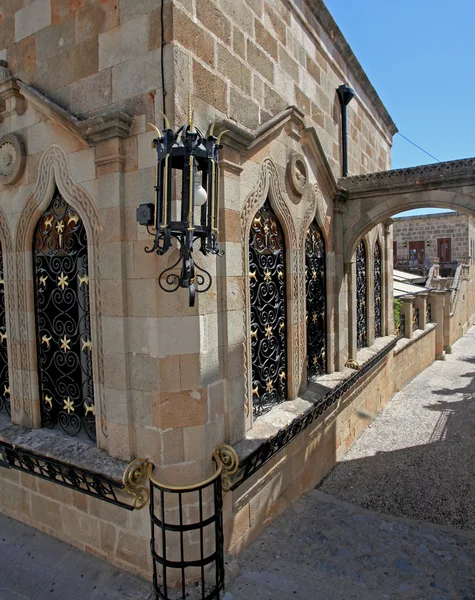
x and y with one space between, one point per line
187 541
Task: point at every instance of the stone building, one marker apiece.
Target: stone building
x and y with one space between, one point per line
446 236
101 367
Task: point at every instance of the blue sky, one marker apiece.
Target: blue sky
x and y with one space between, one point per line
419 56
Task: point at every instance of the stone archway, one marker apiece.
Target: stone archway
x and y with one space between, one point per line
375 197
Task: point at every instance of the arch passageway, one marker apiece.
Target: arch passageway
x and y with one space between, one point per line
373 198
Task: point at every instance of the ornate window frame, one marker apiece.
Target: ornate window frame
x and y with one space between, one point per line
316 211
269 186
54 172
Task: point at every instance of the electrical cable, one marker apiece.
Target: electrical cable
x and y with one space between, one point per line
422 149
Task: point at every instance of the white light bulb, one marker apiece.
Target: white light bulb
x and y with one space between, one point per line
200 194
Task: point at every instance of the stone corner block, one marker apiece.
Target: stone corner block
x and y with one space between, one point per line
106 126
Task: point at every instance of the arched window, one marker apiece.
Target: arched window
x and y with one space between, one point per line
268 311
4 378
315 274
377 290
63 320
361 294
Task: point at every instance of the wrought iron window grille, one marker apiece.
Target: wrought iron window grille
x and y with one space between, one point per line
64 339
267 274
315 277
361 297
188 156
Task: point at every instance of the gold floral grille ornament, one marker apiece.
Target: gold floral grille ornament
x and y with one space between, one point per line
268 311
63 320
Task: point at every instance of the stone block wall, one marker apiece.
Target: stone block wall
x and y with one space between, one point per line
430 228
250 60
302 464
109 532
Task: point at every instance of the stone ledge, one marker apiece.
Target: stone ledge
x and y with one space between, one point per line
404 343
281 416
75 452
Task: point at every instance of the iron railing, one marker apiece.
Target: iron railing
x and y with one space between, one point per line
267 450
61 473
191 517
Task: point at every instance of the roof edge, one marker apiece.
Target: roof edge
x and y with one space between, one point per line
323 15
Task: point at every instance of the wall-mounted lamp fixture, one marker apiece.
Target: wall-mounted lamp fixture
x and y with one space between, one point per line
428 243
191 158
405 244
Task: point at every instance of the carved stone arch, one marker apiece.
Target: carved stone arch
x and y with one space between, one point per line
316 210
9 276
268 186
54 172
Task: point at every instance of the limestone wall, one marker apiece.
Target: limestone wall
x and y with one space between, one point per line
306 460
112 533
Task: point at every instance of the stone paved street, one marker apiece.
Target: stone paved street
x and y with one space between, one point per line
416 459
36 566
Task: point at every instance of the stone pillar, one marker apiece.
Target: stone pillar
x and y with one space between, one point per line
343 294
370 296
350 276
420 302
406 310
108 133
437 299
447 346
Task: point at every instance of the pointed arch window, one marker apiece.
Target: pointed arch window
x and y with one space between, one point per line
63 320
268 311
4 377
377 291
361 296
315 276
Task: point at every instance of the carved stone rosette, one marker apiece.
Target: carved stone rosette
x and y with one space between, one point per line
12 158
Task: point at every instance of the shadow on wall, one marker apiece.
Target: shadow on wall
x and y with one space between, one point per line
432 482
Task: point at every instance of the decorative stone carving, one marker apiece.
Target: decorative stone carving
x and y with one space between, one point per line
4 71
297 173
54 171
12 158
268 184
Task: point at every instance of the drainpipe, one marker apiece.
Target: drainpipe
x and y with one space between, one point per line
345 94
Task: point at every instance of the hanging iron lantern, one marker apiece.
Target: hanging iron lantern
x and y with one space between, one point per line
189 159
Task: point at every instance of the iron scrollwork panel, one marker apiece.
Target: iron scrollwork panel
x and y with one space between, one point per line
315 276
268 311
4 377
63 320
361 295
377 291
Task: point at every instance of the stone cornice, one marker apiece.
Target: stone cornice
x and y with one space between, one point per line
323 16
426 177
244 141
114 124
